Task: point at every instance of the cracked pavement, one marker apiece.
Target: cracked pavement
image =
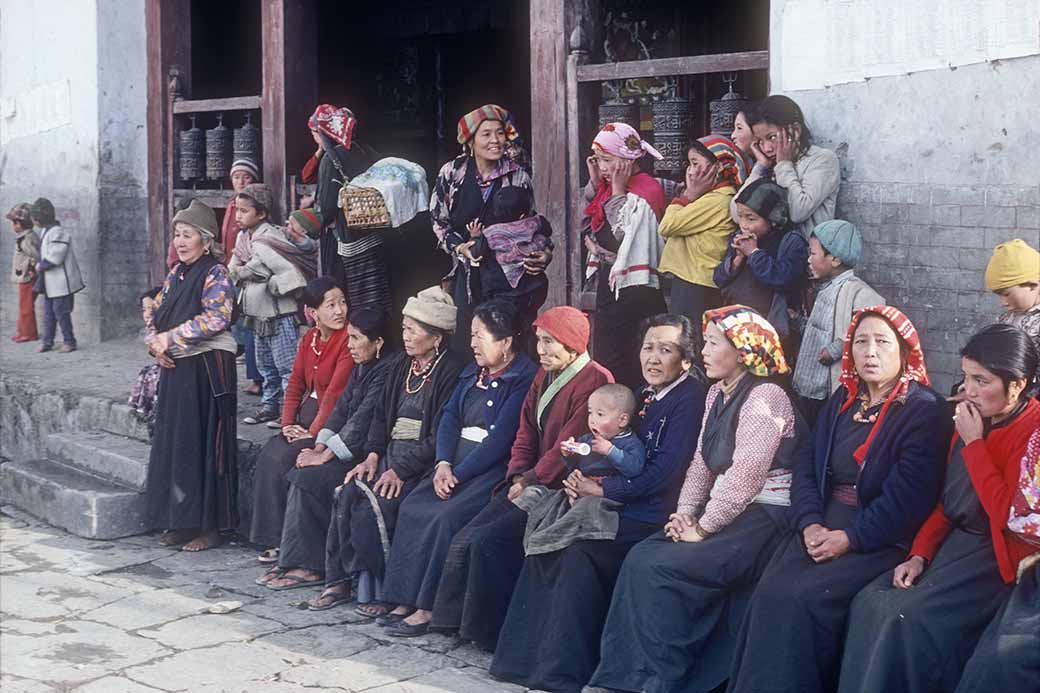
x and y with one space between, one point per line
128 616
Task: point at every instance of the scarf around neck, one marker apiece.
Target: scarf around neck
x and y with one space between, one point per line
561 381
641 184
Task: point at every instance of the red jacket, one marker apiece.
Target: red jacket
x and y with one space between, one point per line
326 375
993 465
536 455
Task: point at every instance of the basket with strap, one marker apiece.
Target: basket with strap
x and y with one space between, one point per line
363 208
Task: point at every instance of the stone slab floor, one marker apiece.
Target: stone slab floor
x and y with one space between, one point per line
127 616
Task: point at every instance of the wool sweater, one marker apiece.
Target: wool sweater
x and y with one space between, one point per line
26 255
993 465
696 235
346 430
326 375
267 281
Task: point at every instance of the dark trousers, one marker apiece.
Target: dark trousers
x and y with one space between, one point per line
692 300
58 311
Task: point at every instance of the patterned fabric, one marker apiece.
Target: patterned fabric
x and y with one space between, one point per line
513 241
145 393
274 357
1024 518
753 337
449 181
734 164
218 300
402 184
1028 322
337 123
766 199
622 140
641 184
22 213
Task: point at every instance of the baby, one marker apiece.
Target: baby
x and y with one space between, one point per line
611 448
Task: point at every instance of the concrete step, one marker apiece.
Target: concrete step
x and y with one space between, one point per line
71 499
121 460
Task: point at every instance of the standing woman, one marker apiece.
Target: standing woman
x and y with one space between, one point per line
913 630
551 636
681 593
871 477
620 228
193 467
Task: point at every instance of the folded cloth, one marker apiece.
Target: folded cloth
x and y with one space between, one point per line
402 184
554 524
641 247
513 241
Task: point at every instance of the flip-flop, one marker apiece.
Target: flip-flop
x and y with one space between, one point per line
268 556
270 574
295 583
362 610
338 598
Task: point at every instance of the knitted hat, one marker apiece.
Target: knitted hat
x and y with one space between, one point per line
307 220
261 193
432 306
766 199
21 213
567 325
1013 263
43 211
841 239
247 165
200 216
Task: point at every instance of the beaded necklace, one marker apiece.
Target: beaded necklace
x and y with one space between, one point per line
314 345
485 376
423 374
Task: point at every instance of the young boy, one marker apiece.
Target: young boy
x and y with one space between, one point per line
23 271
59 279
267 281
611 448
1013 274
834 249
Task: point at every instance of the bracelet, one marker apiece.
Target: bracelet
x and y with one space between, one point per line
700 531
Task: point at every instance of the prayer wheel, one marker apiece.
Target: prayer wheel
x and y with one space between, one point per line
673 123
724 111
192 147
247 142
219 150
619 112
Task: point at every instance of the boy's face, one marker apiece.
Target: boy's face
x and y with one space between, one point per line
821 264
1020 298
605 420
15 226
246 215
240 179
751 222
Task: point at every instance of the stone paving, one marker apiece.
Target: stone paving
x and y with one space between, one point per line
128 616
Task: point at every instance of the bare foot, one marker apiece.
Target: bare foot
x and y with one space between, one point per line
173 537
419 617
294 577
204 541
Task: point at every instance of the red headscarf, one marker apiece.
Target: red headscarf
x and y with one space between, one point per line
337 123
913 371
567 325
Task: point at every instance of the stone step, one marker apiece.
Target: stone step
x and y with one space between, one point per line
121 460
73 500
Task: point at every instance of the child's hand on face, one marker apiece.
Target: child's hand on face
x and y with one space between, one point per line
600 445
746 243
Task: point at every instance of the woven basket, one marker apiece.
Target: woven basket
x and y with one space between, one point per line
363 208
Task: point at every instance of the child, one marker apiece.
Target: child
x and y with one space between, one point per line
58 277
611 448
834 249
23 271
764 267
267 278
145 391
1013 274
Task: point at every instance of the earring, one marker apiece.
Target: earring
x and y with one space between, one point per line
379 348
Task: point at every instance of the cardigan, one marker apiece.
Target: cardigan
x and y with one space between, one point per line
993 465
26 255
346 428
899 481
536 456
420 459
326 375
669 430
61 275
696 235
505 396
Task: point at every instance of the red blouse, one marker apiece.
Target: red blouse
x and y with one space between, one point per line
326 374
993 465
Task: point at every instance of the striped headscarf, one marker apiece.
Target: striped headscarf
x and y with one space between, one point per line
733 163
753 337
469 123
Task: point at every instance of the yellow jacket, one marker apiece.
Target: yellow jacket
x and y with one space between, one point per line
696 236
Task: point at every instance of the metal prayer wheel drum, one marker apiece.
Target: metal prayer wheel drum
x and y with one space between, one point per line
247 142
673 122
219 149
724 111
192 149
619 112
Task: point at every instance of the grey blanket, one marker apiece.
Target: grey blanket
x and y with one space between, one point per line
554 524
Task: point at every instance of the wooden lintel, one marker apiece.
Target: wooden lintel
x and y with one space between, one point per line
687 65
234 103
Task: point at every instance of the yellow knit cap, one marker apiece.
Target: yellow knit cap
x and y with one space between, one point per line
1013 263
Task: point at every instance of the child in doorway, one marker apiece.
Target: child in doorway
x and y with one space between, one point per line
23 271
834 250
1013 274
611 449
59 279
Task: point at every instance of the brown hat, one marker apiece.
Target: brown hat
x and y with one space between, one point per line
201 216
261 193
432 306
21 213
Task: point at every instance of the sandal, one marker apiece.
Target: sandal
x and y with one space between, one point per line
295 582
338 597
271 573
261 415
372 610
268 556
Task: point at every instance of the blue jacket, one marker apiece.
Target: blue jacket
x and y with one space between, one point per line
901 477
505 396
669 431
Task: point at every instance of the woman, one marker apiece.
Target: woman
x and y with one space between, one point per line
354 259
696 226
319 374
742 135
486 555
913 630
193 466
681 593
492 158
318 470
399 449
477 430
551 636
624 207
872 475
784 152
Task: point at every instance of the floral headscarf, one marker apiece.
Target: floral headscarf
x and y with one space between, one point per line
1024 516
336 123
622 140
753 337
733 163
469 123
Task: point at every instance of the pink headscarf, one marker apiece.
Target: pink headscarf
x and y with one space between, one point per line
621 140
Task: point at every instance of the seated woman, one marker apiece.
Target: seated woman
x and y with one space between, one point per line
680 594
551 635
318 376
1007 657
399 449
318 470
485 556
477 430
913 630
873 474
